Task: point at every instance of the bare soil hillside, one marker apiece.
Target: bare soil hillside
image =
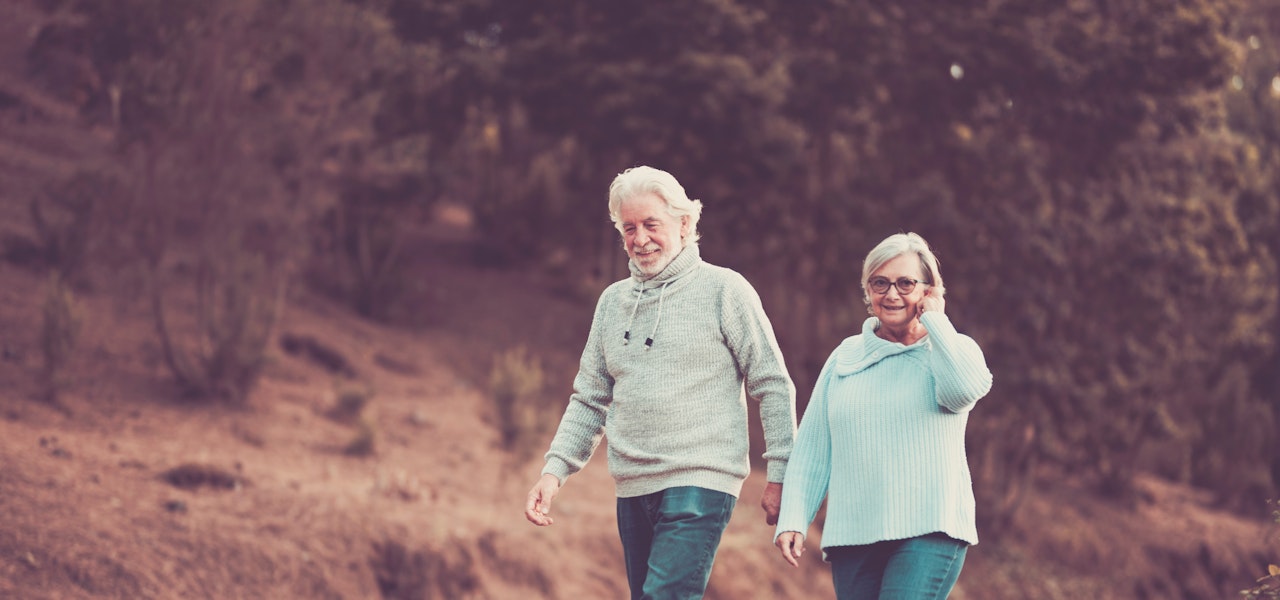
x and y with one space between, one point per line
125 490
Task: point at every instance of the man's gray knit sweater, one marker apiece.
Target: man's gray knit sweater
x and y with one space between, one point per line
664 368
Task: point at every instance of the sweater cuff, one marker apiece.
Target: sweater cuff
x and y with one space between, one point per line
784 527
776 470
557 467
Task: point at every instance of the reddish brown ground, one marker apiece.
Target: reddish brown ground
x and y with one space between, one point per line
435 511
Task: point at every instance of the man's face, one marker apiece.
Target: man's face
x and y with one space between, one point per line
651 236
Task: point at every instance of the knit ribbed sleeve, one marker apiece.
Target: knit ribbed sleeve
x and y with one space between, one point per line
582 426
956 363
749 335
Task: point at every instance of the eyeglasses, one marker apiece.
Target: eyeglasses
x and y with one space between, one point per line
880 285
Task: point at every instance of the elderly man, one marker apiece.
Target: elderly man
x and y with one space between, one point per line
669 353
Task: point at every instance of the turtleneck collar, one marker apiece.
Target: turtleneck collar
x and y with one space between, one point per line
683 264
859 352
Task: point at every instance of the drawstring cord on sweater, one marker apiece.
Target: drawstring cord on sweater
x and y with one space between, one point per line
626 336
648 342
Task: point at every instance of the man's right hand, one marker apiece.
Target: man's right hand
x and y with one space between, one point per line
537 508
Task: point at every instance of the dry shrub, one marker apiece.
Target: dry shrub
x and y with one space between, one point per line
351 407
364 443
239 299
405 574
513 564
59 333
349 403
400 485
515 382
66 224
1267 586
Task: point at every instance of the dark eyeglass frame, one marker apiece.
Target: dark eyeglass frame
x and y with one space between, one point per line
905 285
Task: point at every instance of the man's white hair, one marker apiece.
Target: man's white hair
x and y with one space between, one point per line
638 181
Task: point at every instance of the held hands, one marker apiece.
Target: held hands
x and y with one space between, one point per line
537 508
791 544
932 300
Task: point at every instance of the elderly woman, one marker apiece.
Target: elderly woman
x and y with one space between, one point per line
883 439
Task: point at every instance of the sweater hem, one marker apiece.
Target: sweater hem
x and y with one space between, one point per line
710 480
968 538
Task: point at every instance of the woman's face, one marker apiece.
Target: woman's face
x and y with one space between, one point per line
893 308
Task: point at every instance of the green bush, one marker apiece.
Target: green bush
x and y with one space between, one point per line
515 382
351 407
365 440
239 299
349 403
59 333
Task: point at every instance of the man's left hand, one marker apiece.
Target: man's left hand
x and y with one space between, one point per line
771 502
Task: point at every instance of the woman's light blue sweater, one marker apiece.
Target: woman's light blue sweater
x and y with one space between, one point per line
883 439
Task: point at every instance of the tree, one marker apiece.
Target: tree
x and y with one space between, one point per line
232 116
1069 162
1253 118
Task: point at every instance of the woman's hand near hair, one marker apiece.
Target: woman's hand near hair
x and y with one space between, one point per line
791 544
933 300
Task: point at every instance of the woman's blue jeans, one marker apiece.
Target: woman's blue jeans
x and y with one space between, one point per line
669 540
919 568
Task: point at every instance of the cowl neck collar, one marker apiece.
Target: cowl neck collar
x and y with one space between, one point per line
861 351
683 264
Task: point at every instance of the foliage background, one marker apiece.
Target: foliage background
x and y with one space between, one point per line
1100 179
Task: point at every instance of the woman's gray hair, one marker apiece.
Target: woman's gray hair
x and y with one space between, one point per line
897 245
638 181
